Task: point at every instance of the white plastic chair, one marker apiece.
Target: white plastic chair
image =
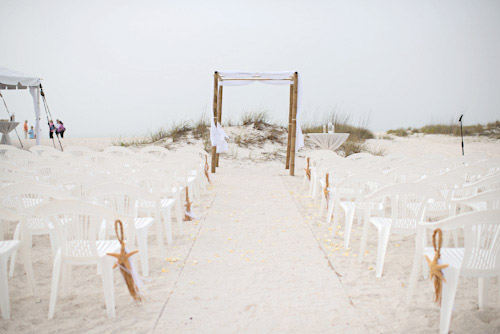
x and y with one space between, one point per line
158 151
26 197
78 151
41 149
7 248
480 257
77 225
165 187
487 200
118 151
408 203
78 184
124 199
349 195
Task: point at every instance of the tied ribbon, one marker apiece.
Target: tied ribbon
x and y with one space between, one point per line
128 272
325 190
308 170
206 169
187 214
435 269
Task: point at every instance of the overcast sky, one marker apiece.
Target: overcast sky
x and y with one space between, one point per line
125 67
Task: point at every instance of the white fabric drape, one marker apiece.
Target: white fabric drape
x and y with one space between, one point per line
218 137
237 78
35 93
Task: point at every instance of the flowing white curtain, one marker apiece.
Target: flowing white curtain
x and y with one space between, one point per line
237 78
35 93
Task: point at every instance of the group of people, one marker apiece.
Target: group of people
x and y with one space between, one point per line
57 127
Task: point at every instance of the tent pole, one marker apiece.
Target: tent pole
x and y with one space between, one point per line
219 115
294 125
214 149
287 164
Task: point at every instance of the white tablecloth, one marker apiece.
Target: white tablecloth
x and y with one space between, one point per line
328 141
5 128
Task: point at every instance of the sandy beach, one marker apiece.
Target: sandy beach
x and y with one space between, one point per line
260 258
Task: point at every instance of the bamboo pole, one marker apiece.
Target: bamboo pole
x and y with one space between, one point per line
219 116
287 164
216 85
294 124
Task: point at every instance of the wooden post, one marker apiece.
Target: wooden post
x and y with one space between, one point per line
289 129
219 115
216 85
294 124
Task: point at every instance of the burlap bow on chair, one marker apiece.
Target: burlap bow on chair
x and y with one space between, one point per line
435 273
325 189
308 170
207 168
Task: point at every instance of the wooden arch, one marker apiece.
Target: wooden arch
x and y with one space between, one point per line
292 115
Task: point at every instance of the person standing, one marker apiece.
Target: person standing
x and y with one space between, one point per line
32 133
52 128
26 129
60 128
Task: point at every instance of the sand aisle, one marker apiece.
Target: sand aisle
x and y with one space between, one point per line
256 266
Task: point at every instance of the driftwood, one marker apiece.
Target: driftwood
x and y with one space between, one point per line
124 263
435 273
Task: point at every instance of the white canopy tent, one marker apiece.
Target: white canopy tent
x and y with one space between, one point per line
238 78
10 79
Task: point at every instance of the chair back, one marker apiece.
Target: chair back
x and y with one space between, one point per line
77 225
408 202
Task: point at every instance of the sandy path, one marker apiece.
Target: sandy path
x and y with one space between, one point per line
256 266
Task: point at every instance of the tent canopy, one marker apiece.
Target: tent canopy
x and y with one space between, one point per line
10 79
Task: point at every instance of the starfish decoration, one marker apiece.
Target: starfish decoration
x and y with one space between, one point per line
308 170
206 169
435 269
124 263
188 206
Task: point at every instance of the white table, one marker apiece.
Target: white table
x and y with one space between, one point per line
328 141
5 128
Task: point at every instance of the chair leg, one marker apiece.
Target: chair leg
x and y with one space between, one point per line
483 286
56 275
448 297
14 253
383 239
178 209
142 243
159 232
108 285
53 242
167 219
349 219
425 270
28 266
329 214
4 289
66 278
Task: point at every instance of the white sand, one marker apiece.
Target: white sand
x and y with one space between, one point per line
260 259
